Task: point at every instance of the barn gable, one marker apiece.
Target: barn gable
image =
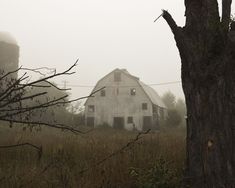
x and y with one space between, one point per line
150 92
125 102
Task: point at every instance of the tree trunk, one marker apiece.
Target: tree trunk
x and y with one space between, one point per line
207 51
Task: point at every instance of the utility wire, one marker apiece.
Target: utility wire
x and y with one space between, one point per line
154 84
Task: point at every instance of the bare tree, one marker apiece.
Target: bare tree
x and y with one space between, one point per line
14 94
206 46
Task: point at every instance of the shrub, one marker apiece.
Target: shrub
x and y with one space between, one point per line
174 119
160 175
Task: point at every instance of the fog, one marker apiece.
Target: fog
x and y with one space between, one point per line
104 35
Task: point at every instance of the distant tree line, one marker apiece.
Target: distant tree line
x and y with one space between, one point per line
176 110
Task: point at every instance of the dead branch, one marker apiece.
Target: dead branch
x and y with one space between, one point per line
21 99
56 102
14 93
180 37
158 17
18 145
122 149
171 22
57 126
55 161
12 87
38 70
47 167
9 73
39 149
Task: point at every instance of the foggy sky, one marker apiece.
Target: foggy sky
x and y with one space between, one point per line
103 34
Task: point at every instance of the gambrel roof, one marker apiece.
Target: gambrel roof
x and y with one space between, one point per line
153 95
150 92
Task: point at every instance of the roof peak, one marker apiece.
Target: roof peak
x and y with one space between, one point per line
126 72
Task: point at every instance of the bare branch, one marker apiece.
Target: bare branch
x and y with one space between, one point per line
37 70
47 167
22 99
19 145
56 86
80 98
14 93
39 149
57 126
179 35
66 72
43 105
55 102
41 86
12 87
129 144
9 73
158 17
171 22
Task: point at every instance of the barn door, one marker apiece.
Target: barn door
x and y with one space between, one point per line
147 123
118 122
90 122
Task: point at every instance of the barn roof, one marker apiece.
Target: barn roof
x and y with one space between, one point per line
153 95
150 92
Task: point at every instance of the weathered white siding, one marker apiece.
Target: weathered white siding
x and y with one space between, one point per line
118 102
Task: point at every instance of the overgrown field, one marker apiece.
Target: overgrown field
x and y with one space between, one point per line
68 160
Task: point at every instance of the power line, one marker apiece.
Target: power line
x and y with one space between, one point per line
165 83
65 83
153 84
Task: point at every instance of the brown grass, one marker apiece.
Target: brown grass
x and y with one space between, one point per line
65 155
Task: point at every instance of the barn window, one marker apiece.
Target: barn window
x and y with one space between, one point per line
130 119
102 93
155 109
133 91
117 76
91 108
144 106
90 121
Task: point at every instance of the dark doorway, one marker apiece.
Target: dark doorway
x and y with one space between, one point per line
90 122
118 122
155 123
147 122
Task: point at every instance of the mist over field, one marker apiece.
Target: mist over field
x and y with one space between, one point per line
110 94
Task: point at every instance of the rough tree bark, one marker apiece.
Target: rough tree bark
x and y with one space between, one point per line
207 50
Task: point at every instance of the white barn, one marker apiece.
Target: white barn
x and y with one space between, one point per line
126 102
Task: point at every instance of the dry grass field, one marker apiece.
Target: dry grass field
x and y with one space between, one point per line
68 160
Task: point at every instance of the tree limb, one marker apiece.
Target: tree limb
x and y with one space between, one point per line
14 93
179 35
39 149
9 102
38 70
171 22
57 126
9 73
129 144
